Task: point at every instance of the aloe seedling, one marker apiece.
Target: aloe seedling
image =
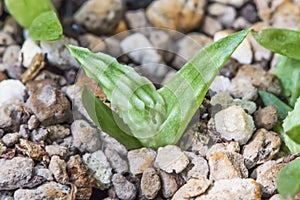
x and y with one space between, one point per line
38 16
146 116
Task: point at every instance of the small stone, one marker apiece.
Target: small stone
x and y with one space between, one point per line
188 46
23 131
33 122
150 183
45 74
136 19
48 103
226 165
193 188
58 168
100 17
220 84
139 49
113 47
263 147
140 159
15 172
39 135
92 42
56 149
161 40
10 139
6 195
31 149
249 13
266 176
211 26
6 39
11 90
235 3
29 49
171 159
248 106
47 191
10 61
118 163
234 123
57 132
225 14
85 137
266 117
231 147
243 53
168 184
241 23
3 148
233 189
99 165
43 172
200 166
84 193
242 88
190 12
277 197
287 15
123 188
79 172
58 54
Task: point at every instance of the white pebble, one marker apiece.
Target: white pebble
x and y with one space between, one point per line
11 90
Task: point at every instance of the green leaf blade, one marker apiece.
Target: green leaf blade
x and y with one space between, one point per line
270 99
291 124
288 182
25 11
107 120
45 26
281 41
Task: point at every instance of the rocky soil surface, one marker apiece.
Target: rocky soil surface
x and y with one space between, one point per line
49 149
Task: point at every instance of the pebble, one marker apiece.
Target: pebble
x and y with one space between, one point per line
47 191
211 26
113 47
235 3
248 106
6 195
117 163
58 168
123 188
287 15
243 54
161 40
266 176
263 147
200 166
225 14
6 39
277 197
249 13
231 147
58 54
79 172
99 165
48 103
234 123
140 159
10 61
15 172
57 132
171 159
246 189
10 139
139 49
267 8
92 42
241 23
188 46
150 183
39 135
11 90
220 84
266 117
43 172
31 149
190 12
85 137
226 165
136 19
33 122
100 17
29 49
168 184
193 188
3 148
242 88
10 115
55 149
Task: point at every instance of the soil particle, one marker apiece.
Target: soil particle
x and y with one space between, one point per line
150 183
123 188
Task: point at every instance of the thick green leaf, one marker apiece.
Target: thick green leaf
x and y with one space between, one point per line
45 26
282 41
270 99
108 120
288 181
25 11
291 124
158 118
292 146
288 72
